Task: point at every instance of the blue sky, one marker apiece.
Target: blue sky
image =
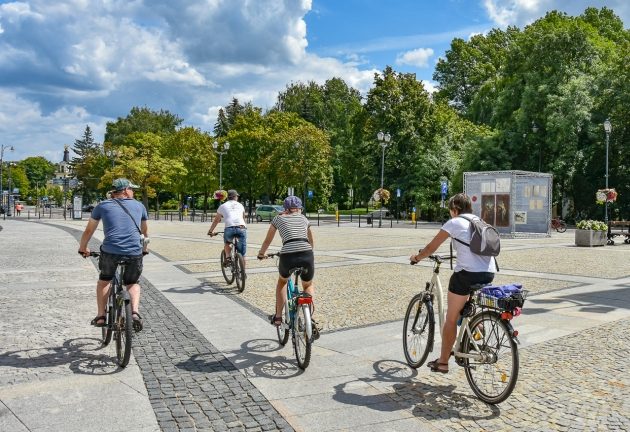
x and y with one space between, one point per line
65 64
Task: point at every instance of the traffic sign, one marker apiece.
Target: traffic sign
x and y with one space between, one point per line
310 194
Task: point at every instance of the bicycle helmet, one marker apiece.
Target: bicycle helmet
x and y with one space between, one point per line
292 202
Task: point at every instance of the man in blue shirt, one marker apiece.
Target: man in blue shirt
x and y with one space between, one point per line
122 239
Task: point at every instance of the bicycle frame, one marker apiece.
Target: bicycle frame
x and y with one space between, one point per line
464 328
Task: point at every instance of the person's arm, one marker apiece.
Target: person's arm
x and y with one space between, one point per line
215 222
144 228
87 235
433 245
309 234
270 235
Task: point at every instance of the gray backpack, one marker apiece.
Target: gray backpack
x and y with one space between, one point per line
484 238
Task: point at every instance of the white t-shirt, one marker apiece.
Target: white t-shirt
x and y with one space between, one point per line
232 212
458 228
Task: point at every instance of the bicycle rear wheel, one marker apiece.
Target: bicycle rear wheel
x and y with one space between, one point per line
283 329
301 341
493 376
418 331
562 227
123 332
239 272
228 274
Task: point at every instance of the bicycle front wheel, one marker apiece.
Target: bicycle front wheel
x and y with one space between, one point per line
228 274
418 331
123 333
301 341
283 329
493 373
562 227
239 272
106 332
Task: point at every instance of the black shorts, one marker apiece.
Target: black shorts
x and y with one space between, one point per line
304 259
107 264
461 281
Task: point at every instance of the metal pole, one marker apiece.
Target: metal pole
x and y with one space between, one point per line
606 204
380 213
220 170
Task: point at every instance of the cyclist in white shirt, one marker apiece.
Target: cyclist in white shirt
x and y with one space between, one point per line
470 269
234 214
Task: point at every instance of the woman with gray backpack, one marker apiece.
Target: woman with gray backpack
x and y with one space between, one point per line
476 244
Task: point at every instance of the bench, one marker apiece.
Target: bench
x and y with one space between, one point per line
618 227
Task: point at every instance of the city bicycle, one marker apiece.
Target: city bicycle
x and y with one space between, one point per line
296 318
233 268
486 341
558 224
118 320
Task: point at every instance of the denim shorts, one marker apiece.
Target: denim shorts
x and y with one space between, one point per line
107 264
241 233
461 281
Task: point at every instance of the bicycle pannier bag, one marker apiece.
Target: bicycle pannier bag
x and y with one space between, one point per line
484 238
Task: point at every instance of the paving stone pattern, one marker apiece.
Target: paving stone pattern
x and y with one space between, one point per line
191 385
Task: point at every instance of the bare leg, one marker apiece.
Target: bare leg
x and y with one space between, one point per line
102 290
134 295
449 331
281 295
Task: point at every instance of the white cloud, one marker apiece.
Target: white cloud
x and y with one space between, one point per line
522 12
417 57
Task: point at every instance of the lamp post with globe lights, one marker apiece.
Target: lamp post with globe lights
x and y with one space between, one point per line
2 148
384 139
608 130
226 147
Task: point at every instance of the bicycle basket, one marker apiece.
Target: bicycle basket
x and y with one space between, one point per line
503 298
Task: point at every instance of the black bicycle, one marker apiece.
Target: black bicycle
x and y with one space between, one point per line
118 320
233 267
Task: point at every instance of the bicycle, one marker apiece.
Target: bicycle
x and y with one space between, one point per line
558 224
234 268
118 320
486 341
296 318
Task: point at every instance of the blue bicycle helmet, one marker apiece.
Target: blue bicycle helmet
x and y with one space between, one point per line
292 202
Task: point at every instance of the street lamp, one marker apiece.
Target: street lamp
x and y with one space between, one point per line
607 129
226 147
10 203
1 164
384 139
113 154
535 130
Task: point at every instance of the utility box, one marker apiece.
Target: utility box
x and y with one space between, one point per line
516 203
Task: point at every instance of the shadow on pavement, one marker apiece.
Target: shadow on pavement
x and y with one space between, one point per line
594 302
430 401
248 361
206 287
80 354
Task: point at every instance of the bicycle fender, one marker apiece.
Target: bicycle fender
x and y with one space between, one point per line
511 330
125 295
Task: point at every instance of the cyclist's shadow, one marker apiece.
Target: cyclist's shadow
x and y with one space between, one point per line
424 399
82 355
250 360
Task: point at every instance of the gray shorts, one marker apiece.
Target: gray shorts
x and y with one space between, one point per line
107 264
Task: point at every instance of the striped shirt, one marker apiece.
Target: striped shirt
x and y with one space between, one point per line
293 229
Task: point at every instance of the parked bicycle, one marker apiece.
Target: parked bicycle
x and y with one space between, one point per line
233 267
118 320
558 224
296 318
486 341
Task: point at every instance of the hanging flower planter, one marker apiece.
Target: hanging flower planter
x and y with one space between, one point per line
381 193
220 195
606 195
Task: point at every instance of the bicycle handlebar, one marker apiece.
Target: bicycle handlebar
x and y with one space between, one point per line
435 258
270 255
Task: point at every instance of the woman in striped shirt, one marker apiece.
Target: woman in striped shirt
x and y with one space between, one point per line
297 251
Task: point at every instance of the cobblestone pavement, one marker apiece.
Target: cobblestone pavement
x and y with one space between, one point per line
575 378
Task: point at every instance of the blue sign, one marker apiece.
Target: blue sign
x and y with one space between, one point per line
444 188
398 193
310 194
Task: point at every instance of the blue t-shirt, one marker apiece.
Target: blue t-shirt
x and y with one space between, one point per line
121 235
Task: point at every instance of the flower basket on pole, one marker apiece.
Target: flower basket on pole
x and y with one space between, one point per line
220 195
603 196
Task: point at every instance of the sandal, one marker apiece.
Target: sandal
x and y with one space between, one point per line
95 322
435 366
137 322
275 320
